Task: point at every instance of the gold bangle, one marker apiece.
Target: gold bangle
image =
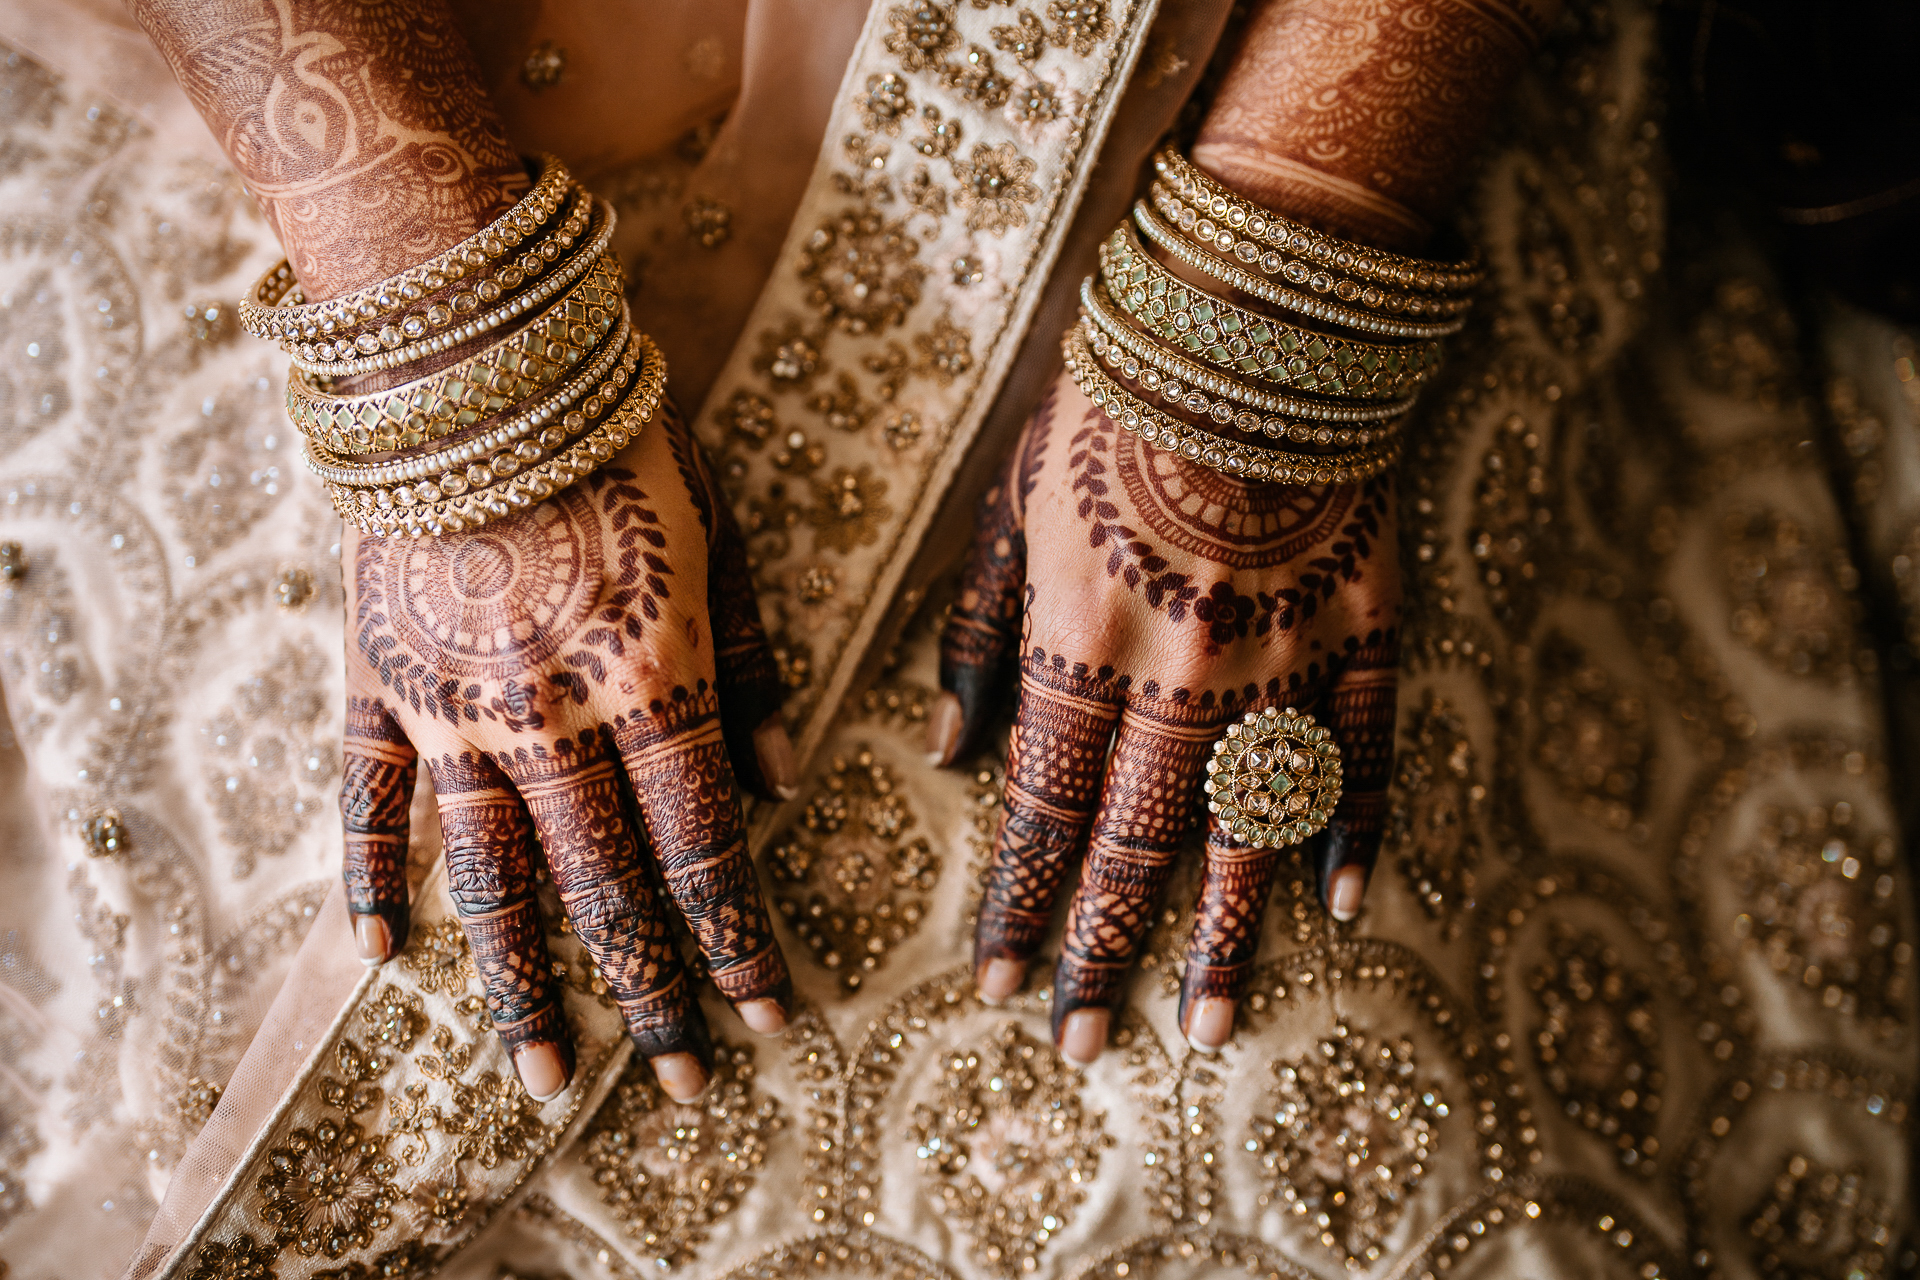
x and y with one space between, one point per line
1201 228
1233 277
588 254
1239 341
554 419
1229 457
1378 265
457 300
524 363
478 506
272 310
1119 359
1173 377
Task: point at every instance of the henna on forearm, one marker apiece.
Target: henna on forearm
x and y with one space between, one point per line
376 791
1357 116
364 131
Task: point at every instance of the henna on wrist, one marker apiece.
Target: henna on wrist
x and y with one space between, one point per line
1357 116
364 132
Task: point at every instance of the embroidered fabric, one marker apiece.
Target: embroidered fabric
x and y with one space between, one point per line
1633 993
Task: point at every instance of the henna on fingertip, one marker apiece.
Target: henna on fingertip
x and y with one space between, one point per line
379 771
1234 889
1360 708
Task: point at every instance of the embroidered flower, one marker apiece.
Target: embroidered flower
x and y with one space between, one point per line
849 508
1078 24
921 34
860 270
439 955
884 105
329 1188
993 188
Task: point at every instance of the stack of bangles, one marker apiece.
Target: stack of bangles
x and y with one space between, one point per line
1336 389
479 427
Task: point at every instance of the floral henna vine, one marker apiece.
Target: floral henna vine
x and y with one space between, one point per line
376 793
490 872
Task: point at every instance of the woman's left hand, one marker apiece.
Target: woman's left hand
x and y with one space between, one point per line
1155 602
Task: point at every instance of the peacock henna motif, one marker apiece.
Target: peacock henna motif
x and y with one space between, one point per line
364 131
488 837
677 757
376 792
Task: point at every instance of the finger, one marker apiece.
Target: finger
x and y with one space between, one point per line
1150 804
488 836
676 756
1360 709
983 628
1055 762
1226 935
745 674
580 812
376 791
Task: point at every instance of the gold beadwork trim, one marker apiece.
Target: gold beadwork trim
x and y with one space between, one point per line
1203 448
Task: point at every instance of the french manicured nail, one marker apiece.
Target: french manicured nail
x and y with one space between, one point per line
764 1017
998 979
775 749
371 937
681 1076
1083 1035
1343 895
943 730
542 1070
1210 1024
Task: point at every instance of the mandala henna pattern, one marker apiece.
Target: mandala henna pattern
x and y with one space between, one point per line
677 758
489 850
376 792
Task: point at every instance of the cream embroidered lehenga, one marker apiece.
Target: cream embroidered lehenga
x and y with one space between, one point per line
1633 992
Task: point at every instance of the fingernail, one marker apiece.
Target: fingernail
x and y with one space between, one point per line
1083 1035
775 749
681 1076
764 1017
1210 1025
944 723
542 1070
998 979
371 936
1343 895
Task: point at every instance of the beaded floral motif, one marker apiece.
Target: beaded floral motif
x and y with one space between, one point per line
1821 905
852 875
669 1171
270 767
1594 738
1792 600
1597 1044
439 957
1433 831
1348 1138
1815 1221
860 270
1007 1146
329 1188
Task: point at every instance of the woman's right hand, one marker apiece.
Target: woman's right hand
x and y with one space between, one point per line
601 648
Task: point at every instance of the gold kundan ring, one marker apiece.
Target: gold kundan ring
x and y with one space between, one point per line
1274 778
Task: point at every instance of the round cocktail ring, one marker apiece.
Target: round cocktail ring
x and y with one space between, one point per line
1274 778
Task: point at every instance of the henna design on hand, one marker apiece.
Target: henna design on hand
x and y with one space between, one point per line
1149 806
677 759
376 793
1360 709
488 837
1055 763
364 131
579 807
